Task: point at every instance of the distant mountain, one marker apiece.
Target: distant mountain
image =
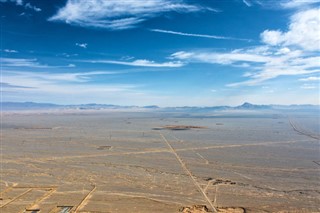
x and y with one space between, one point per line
9 106
296 107
12 106
6 106
197 109
249 106
151 107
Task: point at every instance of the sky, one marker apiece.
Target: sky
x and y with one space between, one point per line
160 52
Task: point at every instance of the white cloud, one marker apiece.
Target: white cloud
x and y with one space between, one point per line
247 2
32 7
182 55
295 52
263 63
312 78
68 55
117 15
297 3
283 4
18 2
283 51
73 88
197 35
303 32
139 63
83 45
64 88
309 86
273 37
71 65
49 77
21 62
21 3
24 62
10 51
7 85
220 58
127 58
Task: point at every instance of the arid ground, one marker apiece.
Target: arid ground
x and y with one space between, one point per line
129 162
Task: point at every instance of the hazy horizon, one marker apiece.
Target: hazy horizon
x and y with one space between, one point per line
245 107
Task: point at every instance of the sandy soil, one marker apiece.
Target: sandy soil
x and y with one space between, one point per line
117 162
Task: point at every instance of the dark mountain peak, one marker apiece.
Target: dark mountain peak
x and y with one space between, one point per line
247 104
8 106
151 107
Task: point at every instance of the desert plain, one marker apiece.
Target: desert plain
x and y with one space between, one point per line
131 162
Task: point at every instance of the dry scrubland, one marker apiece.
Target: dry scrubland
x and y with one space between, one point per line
133 162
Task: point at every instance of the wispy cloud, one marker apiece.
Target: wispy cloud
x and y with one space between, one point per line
198 35
32 7
69 88
27 5
18 2
139 63
83 45
282 4
50 77
312 78
7 85
294 52
309 86
262 67
10 51
24 62
118 15
68 55
297 3
219 57
247 2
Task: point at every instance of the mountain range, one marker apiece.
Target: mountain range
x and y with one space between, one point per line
17 106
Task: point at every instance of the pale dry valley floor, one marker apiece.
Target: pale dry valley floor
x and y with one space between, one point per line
125 162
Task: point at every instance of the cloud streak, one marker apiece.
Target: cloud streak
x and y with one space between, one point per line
289 4
7 85
18 2
32 7
246 2
139 63
309 86
198 35
31 63
312 78
220 58
70 87
21 3
48 77
10 51
118 15
264 63
82 45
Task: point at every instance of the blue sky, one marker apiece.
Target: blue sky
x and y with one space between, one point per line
162 52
